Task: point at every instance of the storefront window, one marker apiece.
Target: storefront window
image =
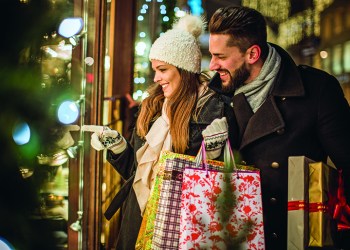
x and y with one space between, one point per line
153 18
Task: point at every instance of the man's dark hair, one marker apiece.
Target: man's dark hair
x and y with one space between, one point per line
245 26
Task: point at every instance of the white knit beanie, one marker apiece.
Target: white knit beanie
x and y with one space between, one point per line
179 46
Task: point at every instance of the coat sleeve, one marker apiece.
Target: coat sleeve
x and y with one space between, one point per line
334 127
123 163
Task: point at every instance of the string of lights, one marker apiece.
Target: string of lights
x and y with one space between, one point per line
291 29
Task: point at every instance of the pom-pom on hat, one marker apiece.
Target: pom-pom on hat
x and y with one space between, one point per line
179 46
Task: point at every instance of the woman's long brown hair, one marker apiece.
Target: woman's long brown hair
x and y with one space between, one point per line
179 109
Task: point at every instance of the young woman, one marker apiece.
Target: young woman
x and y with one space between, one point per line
178 113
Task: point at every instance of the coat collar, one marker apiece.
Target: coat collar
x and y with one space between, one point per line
288 83
267 119
252 126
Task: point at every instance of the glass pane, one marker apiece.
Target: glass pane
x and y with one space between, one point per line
346 56
56 64
337 59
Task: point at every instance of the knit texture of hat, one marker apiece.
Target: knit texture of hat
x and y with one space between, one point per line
179 46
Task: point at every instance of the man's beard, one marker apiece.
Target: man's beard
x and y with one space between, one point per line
237 80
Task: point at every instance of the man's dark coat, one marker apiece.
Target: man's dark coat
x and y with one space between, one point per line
305 114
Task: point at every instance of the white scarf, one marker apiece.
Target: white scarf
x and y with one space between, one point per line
257 91
157 139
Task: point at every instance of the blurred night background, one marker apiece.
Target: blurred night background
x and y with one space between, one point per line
53 187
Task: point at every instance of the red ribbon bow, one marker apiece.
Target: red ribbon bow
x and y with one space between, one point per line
342 209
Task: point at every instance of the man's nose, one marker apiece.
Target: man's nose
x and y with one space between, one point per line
213 65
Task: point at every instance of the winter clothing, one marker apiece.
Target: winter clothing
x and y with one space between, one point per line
179 46
215 137
304 114
257 90
125 163
107 139
157 139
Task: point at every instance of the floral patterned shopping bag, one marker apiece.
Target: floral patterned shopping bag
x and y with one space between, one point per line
167 221
221 210
161 221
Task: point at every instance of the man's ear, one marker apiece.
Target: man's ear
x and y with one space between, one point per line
254 53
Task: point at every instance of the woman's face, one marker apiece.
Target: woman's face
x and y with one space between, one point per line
167 76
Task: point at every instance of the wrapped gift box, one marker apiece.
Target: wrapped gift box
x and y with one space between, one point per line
322 200
298 196
311 200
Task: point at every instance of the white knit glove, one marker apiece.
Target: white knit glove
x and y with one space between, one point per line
105 138
215 136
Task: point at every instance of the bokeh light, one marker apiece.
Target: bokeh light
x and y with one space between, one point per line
68 112
21 134
5 245
70 26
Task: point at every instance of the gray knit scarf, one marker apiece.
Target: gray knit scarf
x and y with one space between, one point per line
257 91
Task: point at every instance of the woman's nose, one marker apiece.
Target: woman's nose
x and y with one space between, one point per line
156 78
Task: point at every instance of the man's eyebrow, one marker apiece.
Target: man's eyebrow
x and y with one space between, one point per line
217 54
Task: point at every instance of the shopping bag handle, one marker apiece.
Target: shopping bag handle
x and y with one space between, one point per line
229 160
